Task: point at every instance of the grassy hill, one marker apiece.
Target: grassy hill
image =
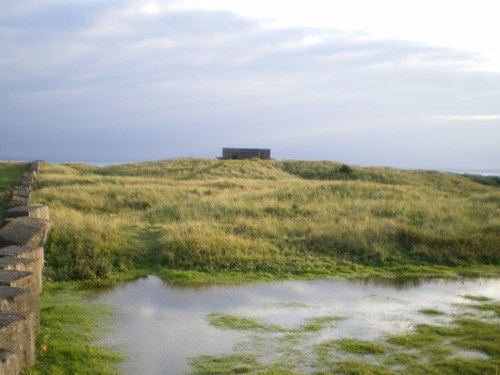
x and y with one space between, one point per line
278 218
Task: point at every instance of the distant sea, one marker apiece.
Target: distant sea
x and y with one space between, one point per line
480 172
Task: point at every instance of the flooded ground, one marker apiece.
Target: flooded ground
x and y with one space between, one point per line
162 328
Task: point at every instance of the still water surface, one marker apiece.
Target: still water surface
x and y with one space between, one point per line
159 326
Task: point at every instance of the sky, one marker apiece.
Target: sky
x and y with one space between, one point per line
370 82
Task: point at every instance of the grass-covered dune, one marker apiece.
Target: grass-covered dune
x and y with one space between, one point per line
277 218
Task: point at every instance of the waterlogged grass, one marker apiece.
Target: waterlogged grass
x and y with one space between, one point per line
228 321
356 346
477 298
236 364
70 324
492 307
431 311
358 368
319 323
228 364
435 346
267 219
468 345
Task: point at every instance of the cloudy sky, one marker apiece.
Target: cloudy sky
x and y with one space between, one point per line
371 82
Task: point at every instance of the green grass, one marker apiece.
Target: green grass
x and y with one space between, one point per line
359 368
351 346
70 325
10 176
266 219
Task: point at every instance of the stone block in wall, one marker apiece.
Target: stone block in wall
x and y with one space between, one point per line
15 336
39 211
25 231
34 166
22 264
17 279
19 300
18 264
9 362
23 191
17 201
35 255
24 302
28 178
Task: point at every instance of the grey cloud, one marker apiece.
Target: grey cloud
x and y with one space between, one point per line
60 17
89 78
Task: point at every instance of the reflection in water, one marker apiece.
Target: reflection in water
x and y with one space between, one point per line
159 326
408 282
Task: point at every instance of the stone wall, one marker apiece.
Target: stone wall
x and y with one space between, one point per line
22 236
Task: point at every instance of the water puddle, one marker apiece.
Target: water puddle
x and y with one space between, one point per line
159 327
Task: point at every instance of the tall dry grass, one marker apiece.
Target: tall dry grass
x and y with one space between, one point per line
271 216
